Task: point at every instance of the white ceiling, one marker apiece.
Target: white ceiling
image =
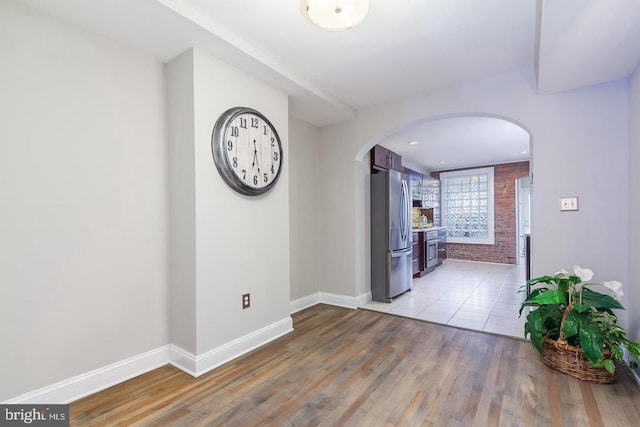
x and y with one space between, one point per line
459 142
401 48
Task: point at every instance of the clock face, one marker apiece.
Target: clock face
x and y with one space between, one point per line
247 151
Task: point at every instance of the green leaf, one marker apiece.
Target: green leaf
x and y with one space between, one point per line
535 322
634 348
592 342
598 300
571 324
616 352
550 297
581 308
541 279
574 279
609 365
552 318
534 293
563 285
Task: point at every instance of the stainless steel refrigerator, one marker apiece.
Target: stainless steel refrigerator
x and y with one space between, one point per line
391 243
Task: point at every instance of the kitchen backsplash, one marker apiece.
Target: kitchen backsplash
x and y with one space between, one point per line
416 217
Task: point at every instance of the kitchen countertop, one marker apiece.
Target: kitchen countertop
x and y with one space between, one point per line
416 230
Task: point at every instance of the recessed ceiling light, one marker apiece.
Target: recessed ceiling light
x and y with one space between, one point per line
524 152
414 143
442 162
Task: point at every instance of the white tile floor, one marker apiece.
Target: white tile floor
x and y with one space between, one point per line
465 294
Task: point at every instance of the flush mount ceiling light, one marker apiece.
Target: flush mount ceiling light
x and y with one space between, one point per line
414 142
337 14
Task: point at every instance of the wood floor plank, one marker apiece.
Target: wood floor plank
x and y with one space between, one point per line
364 368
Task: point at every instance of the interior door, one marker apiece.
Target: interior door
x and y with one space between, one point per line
523 216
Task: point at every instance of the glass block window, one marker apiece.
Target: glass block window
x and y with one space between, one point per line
467 205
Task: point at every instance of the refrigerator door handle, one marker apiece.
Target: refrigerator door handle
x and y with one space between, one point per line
402 210
405 209
408 209
404 252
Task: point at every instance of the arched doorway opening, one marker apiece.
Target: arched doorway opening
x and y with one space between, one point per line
434 146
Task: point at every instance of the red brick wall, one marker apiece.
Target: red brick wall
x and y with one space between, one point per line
503 251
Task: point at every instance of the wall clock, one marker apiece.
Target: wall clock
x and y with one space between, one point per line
247 151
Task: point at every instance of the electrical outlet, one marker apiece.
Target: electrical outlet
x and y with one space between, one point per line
569 204
246 301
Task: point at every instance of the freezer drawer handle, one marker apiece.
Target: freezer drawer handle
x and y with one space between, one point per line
398 254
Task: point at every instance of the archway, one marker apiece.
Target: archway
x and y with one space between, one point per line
397 140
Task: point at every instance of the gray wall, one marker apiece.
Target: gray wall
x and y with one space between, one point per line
83 163
305 180
85 182
182 202
86 176
242 242
223 244
633 287
579 147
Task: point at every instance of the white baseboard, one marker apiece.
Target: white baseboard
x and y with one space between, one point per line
305 302
201 364
331 299
343 300
74 388
91 382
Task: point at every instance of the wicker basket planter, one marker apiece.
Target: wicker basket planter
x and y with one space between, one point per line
571 360
574 327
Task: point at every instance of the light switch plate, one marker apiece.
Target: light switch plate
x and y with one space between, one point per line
569 204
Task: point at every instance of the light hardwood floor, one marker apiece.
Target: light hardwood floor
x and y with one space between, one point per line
364 368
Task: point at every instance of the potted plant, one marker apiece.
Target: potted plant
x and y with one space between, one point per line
574 326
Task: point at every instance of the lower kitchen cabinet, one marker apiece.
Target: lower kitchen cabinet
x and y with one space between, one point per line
418 254
429 250
415 254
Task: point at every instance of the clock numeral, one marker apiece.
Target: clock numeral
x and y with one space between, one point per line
273 170
229 145
264 132
243 123
235 162
275 157
235 131
244 174
254 122
265 178
273 142
255 180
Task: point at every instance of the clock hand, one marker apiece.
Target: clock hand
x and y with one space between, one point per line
255 156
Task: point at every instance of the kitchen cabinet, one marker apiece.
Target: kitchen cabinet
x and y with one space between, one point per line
431 197
416 186
442 245
385 159
419 266
416 254
429 249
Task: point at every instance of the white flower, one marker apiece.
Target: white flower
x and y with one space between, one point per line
616 287
561 273
583 273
